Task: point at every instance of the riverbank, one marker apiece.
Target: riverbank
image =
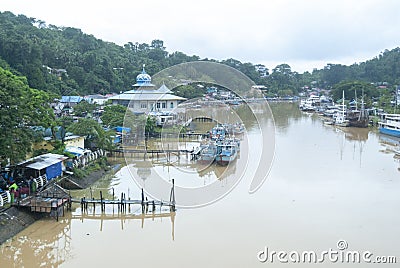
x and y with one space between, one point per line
82 179
13 220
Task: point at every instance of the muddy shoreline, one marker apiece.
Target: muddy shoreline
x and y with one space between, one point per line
13 220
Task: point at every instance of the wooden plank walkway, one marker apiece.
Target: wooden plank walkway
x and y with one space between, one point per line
155 151
119 202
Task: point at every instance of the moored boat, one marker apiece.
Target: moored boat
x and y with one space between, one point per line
228 154
208 154
218 133
358 118
390 124
310 104
340 118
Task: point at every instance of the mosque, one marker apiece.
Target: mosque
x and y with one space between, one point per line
146 98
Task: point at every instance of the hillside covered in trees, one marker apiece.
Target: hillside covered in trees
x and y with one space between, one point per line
66 61
40 61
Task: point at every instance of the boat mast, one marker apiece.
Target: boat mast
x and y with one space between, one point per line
355 94
343 104
362 112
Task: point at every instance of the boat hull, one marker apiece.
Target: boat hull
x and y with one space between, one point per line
391 132
359 123
206 160
225 160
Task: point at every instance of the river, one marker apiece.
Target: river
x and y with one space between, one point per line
326 186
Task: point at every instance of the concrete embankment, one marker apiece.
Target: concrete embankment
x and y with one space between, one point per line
13 221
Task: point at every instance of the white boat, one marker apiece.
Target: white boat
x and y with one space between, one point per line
340 117
330 111
390 124
310 104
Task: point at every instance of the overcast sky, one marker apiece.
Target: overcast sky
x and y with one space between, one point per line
305 34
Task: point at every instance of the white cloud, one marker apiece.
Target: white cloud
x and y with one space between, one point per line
300 33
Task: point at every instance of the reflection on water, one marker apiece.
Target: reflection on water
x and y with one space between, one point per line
43 244
326 184
125 218
391 146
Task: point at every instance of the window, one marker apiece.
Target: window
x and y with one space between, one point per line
171 105
158 105
143 105
164 105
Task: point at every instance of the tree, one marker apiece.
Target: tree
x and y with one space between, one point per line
21 108
95 135
282 78
190 91
113 115
83 108
157 44
150 125
351 88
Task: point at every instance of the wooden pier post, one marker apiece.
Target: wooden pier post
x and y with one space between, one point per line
122 203
125 203
57 207
142 201
101 201
172 196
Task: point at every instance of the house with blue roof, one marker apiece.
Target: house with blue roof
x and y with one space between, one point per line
71 100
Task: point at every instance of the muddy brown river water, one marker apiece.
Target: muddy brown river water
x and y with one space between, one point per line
328 190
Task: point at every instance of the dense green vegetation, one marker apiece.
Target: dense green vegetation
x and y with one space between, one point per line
84 108
21 109
113 115
66 61
95 135
39 62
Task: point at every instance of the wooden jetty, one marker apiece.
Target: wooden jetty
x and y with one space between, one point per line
155 153
193 134
123 203
204 119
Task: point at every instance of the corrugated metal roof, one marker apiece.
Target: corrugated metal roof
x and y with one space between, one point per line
162 93
146 96
71 99
43 161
